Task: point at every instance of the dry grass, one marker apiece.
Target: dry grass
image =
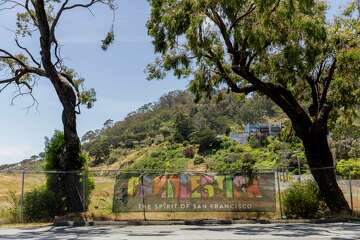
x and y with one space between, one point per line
12 182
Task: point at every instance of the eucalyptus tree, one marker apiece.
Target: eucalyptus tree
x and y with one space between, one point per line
283 49
38 20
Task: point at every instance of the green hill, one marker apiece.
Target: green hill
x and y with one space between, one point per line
175 133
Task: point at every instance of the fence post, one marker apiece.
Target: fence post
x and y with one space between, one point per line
84 191
143 195
351 193
279 191
299 169
22 196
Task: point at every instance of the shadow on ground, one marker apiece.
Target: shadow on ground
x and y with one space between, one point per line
286 230
59 233
335 231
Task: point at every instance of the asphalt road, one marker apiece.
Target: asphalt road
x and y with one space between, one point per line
335 231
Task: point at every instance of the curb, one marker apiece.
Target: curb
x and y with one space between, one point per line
82 223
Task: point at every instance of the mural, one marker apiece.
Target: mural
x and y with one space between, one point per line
194 192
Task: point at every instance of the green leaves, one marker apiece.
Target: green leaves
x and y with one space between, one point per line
88 97
24 23
279 41
108 40
85 96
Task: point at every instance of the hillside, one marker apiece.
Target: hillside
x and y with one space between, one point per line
175 133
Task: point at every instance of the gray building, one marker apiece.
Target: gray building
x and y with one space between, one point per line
272 129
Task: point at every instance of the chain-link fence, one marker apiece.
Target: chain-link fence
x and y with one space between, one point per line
349 186
139 195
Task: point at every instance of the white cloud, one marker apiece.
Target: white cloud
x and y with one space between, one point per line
12 154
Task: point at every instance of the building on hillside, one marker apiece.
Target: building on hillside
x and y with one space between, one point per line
272 129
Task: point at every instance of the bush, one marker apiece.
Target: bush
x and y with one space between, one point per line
167 157
199 160
347 168
183 128
302 200
14 207
40 204
189 152
207 140
232 158
258 140
58 184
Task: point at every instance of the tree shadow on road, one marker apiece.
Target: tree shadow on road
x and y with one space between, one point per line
67 233
285 230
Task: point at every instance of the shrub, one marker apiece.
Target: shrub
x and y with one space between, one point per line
258 140
207 140
116 155
56 183
14 207
189 152
232 157
183 127
349 168
302 200
168 157
227 143
40 204
199 160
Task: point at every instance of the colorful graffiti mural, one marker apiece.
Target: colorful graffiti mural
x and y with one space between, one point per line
194 192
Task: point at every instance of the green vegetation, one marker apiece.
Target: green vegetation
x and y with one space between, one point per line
53 151
174 118
349 168
166 157
40 204
175 134
303 200
45 201
227 156
13 208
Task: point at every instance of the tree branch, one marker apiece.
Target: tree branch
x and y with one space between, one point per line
56 19
249 11
28 52
327 82
234 87
314 108
10 56
92 2
282 97
247 89
215 17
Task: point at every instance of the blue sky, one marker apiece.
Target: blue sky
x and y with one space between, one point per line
117 75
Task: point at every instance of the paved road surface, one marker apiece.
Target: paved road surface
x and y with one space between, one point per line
334 231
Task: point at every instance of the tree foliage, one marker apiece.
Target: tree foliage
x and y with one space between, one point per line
284 44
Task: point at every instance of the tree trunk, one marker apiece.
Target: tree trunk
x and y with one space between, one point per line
320 160
70 158
69 183
72 181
